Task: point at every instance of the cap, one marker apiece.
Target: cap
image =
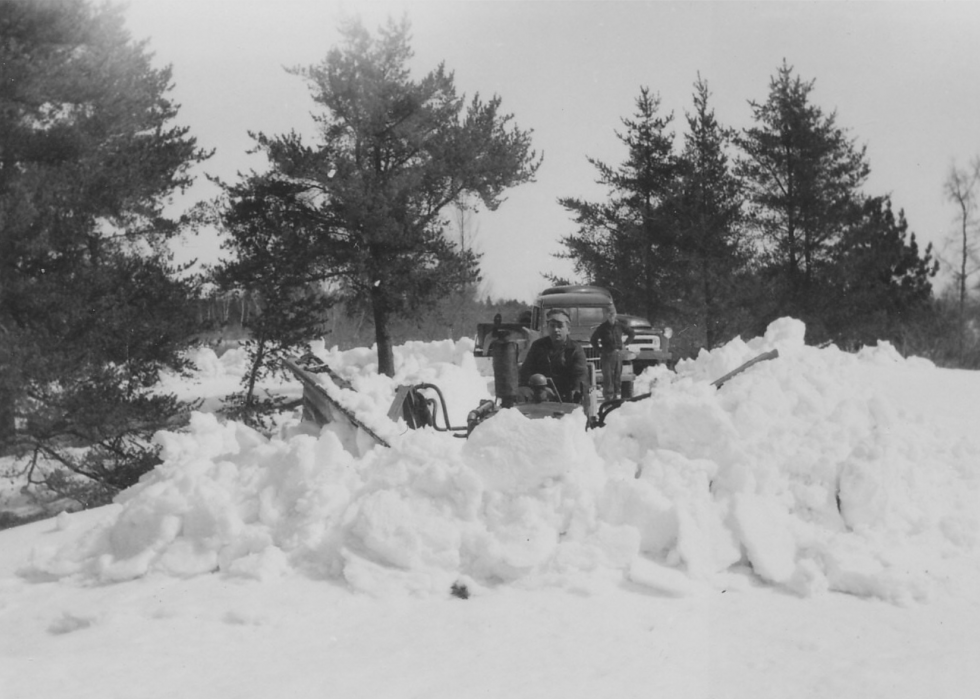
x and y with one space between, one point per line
558 314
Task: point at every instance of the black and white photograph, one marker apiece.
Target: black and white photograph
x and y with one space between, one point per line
438 349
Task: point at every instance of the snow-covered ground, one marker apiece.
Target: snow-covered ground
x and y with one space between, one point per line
810 529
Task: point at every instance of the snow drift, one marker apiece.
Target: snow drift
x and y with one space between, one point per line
813 471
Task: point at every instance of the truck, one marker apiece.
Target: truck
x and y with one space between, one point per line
584 305
650 344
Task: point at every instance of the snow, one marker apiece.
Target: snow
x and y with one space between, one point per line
808 529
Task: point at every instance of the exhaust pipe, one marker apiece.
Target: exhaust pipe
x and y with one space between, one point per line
505 371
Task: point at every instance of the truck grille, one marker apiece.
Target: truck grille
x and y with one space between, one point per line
648 342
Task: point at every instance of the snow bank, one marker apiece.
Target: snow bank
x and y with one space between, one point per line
803 470
211 379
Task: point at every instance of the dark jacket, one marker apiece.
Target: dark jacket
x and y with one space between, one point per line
609 336
563 362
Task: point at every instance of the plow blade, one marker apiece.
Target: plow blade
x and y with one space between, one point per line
319 407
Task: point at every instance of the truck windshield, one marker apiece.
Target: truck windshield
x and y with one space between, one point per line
590 315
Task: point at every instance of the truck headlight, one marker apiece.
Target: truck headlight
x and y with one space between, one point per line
668 333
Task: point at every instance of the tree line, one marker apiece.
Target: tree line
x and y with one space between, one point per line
735 229
351 233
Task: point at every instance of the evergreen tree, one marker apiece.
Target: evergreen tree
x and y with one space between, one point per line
880 281
632 235
803 175
714 258
274 259
393 154
89 307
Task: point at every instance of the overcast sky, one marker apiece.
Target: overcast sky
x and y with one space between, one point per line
904 79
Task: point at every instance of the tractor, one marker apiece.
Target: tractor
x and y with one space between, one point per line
424 406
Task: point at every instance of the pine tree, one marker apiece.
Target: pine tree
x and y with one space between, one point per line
393 154
275 259
880 280
632 234
803 175
714 256
90 310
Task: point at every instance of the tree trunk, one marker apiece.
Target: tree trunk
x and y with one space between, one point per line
7 424
709 303
649 299
386 355
961 349
253 375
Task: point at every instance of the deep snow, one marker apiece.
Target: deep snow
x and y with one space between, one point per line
697 546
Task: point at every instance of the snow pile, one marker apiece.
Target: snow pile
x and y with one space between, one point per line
212 377
801 469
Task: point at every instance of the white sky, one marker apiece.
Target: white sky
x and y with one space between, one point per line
903 77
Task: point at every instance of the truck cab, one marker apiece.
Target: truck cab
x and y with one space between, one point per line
585 305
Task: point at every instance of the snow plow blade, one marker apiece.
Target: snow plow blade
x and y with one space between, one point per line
318 406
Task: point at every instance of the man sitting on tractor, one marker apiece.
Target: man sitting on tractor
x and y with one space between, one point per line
555 357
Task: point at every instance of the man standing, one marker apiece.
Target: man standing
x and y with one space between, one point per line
609 340
556 357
